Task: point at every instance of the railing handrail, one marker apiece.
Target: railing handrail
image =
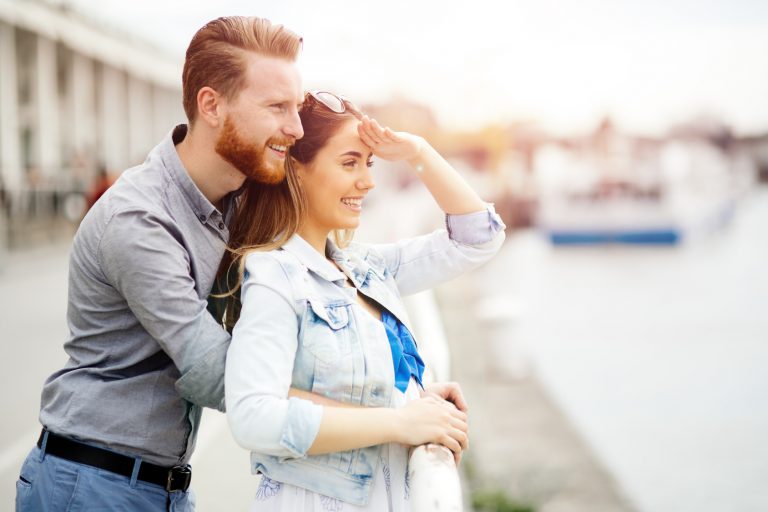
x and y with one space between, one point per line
434 480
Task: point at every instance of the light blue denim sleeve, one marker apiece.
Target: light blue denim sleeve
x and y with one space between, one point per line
477 228
423 262
260 364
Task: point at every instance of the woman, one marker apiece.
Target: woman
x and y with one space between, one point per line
326 318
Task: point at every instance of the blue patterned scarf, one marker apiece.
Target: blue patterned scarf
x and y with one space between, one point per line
405 356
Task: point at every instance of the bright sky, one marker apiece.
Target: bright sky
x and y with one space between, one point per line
561 63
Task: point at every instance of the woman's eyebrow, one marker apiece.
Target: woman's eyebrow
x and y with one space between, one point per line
355 154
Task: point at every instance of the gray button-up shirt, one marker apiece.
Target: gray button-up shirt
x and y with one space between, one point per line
142 265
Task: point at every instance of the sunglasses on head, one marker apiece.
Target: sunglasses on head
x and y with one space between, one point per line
329 100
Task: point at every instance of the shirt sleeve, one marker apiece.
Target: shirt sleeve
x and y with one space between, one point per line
260 366
150 268
423 262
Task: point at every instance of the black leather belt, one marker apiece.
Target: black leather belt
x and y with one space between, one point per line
176 478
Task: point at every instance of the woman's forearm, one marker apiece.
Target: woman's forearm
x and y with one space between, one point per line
318 399
451 192
430 419
344 428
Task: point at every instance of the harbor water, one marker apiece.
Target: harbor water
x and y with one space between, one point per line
657 355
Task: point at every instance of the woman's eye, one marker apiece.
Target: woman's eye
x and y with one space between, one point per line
369 163
350 163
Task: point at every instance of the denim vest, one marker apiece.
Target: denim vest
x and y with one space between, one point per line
302 327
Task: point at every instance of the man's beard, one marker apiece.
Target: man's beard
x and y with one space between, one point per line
249 158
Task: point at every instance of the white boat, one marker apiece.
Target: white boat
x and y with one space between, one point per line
661 196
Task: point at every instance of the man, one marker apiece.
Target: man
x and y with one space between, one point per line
120 419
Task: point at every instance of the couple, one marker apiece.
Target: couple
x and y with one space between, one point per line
323 377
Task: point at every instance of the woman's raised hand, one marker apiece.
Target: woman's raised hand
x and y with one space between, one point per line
387 144
433 420
449 189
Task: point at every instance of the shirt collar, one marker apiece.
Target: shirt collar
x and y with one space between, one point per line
356 264
199 203
229 203
313 260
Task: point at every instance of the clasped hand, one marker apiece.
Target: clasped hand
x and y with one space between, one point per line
439 416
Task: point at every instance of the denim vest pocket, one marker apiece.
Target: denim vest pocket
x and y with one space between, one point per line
326 331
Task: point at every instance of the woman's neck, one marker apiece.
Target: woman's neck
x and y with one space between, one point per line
314 236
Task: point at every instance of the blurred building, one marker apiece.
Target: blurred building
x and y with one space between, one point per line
74 97
401 113
755 148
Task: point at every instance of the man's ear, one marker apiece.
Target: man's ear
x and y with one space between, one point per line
209 107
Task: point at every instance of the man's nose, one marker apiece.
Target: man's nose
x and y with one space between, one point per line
293 127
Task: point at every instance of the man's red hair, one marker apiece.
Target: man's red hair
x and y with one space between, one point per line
216 56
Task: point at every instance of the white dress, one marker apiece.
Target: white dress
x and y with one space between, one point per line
390 491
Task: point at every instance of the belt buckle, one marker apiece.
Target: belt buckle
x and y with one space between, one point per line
179 478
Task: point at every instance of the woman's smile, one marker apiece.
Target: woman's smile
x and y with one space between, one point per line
353 203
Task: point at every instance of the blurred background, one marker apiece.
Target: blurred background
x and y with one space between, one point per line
615 353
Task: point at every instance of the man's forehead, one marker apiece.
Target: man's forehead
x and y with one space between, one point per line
274 78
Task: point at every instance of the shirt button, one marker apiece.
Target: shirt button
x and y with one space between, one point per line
202 218
221 225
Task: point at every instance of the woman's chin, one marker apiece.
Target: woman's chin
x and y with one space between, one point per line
348 224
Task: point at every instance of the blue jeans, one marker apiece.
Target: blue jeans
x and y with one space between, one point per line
49 483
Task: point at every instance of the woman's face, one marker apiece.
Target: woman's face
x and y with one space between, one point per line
337 180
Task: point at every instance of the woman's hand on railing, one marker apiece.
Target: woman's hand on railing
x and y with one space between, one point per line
431 419
450 391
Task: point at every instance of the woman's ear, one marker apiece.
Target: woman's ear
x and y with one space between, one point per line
298 168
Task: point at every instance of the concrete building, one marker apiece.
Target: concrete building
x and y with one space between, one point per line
75 96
